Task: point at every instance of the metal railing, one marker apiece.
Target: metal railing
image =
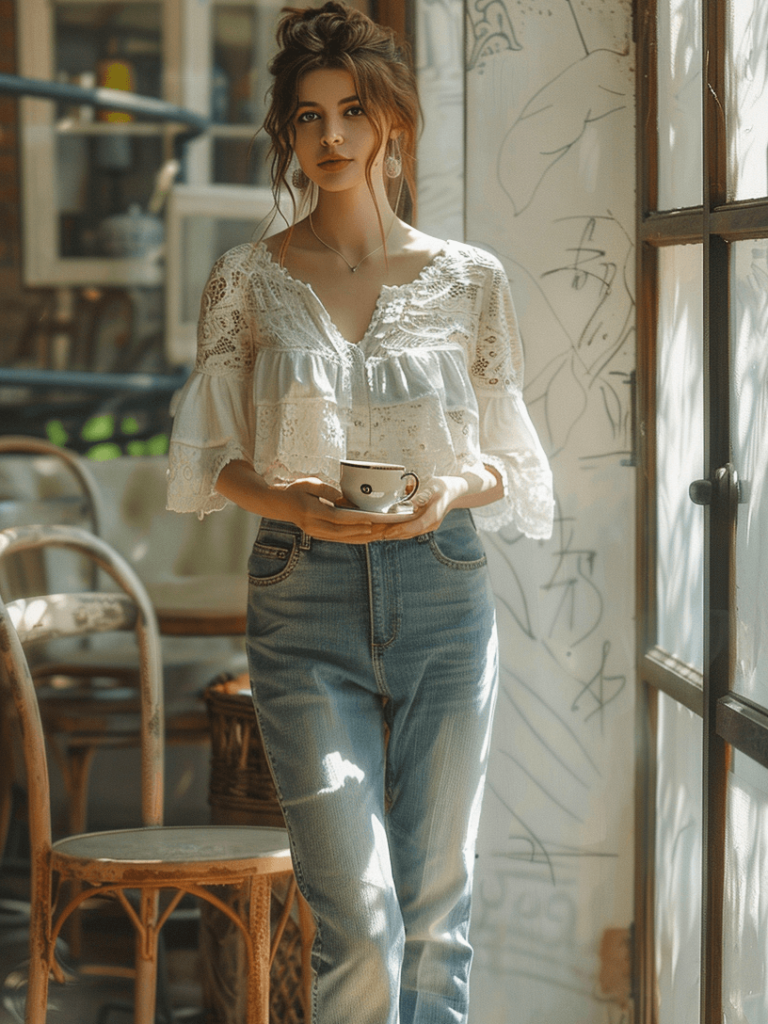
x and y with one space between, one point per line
146 108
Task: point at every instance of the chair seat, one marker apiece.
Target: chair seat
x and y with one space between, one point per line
172 854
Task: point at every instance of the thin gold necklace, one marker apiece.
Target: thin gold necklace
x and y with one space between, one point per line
371 253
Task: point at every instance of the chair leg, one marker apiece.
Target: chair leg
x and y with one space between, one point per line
37 992
39 967
7 776
258 968
77 777
307 927
146 959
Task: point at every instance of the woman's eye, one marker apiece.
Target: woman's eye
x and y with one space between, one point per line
354 111
306 117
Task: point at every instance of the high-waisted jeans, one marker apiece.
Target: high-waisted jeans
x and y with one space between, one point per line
374 673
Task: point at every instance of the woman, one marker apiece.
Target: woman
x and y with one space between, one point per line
371 642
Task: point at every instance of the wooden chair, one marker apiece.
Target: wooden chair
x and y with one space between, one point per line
148 859
79 718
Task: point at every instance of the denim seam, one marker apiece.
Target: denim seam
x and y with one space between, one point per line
269 551
290 565
317 942
396 618
376 649
297 864
477 563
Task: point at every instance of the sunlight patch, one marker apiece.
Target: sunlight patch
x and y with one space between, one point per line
337 770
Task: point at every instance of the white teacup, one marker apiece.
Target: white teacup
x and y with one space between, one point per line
375 486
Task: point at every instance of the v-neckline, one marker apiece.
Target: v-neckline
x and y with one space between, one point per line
425 270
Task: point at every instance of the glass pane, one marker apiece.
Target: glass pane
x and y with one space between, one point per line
745 918
117 45
679 85
106 164
680 454
244 40
204 239
678 862
749 430
747 99
240 161
104 183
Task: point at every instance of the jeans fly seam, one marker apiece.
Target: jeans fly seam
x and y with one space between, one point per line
376 646
376 649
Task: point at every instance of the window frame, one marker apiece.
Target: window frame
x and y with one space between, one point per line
728 720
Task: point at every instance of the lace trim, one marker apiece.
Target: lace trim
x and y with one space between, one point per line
527 501
192 475
224 339
302 428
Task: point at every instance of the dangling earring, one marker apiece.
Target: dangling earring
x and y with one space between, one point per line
299 179
393 161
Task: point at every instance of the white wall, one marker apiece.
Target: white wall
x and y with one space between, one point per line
549 188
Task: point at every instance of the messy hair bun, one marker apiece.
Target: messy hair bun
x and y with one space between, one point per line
336 36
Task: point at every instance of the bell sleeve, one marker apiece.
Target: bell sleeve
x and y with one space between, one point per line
214 411
508 438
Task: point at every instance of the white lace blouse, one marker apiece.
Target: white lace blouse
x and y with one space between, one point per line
435 384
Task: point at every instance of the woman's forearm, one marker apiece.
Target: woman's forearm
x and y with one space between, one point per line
307 502
239 482
297 503
483 489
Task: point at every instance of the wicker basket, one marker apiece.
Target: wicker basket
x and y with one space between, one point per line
242 792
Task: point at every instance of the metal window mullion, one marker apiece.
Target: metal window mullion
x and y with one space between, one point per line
671 227
718 565
677 680
646 273
744 725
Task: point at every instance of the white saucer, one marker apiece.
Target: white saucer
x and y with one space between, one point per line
400 512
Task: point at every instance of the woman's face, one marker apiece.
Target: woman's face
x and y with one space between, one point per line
334 135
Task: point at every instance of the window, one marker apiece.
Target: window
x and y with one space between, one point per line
702 893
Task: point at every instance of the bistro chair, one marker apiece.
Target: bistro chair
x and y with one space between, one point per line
89 698
147 860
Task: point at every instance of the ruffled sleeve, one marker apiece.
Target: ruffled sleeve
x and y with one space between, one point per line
214 412
508 439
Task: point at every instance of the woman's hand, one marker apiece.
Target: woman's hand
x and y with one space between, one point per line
311 504
441 494
432 503
307 502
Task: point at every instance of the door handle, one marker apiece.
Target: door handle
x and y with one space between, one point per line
700 492
725 487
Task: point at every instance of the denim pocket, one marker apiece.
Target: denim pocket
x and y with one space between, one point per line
273 558
457 547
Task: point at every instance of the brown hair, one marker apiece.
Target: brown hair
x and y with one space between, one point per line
338 37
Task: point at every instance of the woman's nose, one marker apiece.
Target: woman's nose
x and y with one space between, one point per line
331 135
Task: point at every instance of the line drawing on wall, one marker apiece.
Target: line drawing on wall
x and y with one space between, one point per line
491 32
550 174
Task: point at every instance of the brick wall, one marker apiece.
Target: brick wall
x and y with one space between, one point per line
17 304
9 181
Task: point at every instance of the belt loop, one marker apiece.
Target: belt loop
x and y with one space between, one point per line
306 542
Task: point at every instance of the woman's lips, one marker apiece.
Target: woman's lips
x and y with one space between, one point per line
335 163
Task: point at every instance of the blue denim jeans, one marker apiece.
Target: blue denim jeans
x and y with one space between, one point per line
374 672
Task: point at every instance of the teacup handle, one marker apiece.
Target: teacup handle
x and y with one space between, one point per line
415 489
